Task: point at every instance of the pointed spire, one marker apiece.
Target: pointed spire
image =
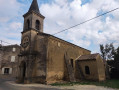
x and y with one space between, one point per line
34 7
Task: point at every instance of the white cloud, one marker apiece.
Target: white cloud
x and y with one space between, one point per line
11 32
15 26
97 31
8 9
61 14
10 28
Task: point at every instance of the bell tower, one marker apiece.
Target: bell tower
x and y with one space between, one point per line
33 19
33 24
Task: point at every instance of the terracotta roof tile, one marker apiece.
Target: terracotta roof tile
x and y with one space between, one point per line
88 57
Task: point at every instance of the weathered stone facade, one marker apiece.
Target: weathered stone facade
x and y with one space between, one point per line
95 65
58 53
9 60
47 59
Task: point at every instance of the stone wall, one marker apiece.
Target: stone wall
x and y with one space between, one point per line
10 59
56 67
0 59
96 69
36 65
101 68
32 17
41 49
92 64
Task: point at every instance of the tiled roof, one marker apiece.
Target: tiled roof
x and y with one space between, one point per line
15 45
88 57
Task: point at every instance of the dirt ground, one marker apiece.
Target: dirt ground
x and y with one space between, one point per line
49 87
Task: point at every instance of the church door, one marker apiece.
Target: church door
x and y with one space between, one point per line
23 71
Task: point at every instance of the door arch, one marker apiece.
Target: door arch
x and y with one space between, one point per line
23 71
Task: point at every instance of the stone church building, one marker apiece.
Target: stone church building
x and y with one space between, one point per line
47 59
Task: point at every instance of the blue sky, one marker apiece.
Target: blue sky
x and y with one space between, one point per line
61 14
85 2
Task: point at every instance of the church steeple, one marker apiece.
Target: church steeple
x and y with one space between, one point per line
34 7
33 20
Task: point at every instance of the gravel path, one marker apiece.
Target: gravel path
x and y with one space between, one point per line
49 87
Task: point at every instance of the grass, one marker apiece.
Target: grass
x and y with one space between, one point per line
108 83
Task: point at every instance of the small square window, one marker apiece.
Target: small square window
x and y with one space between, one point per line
6 71
12 58
14 49
58 44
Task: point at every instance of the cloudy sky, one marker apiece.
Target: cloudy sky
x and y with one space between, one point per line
62 14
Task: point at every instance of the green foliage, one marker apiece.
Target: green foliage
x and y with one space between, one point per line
116 59
107 83
116 56
111 63
115 62
102 50
107 51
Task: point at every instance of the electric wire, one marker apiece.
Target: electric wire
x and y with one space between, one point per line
76 24
86 21
1 41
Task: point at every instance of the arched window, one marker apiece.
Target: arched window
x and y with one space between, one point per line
28 24
87 70
37 24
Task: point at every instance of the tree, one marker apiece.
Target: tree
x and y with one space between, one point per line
116 56
102 50
116 59
107 51
112 56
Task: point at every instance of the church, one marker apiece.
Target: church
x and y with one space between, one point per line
46 59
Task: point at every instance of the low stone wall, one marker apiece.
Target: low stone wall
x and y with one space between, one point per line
6 76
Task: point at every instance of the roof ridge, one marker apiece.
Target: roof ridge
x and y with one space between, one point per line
88 56
63 40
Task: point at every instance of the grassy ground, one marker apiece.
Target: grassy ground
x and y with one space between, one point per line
108 83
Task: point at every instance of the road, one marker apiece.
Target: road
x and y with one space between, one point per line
4 85
10 85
